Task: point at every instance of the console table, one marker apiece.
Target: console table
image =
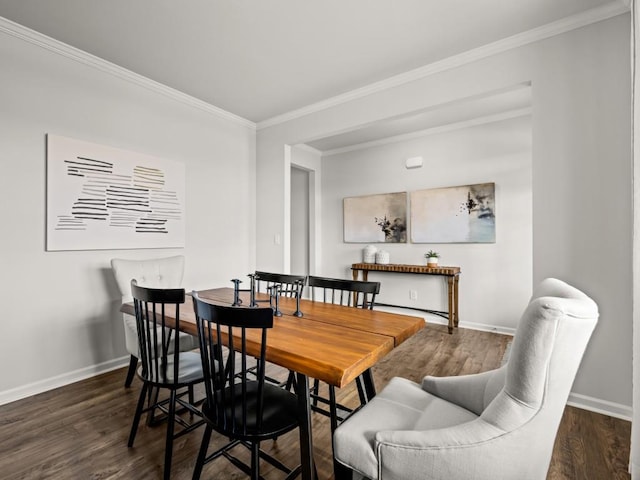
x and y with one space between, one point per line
451 273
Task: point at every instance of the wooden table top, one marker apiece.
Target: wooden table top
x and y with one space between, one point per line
399 327
332 343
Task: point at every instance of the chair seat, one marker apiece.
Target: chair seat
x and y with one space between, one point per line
402 405
279 413
190 371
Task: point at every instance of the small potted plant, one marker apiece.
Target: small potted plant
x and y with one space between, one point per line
432 258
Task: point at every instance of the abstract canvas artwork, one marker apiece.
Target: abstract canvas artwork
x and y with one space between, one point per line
376 218
464 214
100 197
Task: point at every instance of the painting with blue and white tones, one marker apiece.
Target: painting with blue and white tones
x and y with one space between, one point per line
464 214
102 198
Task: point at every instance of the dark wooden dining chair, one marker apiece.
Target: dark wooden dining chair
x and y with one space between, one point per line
352 293
164 366
290 285
245 409
279 285
285 285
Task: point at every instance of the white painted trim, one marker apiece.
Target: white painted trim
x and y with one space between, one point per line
604 407
308 148
435 319
45 385
55 46
521 112
552 29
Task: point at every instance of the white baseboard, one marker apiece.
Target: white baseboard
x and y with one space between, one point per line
438 320
41 386
611 409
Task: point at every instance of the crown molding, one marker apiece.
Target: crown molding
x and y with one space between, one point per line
36 38
473 122
308 148
582 19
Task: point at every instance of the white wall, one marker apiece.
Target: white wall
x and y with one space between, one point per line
60 316
581 173
305 161
493 274
299 221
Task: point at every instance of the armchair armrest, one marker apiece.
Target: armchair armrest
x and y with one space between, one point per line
473 450
473 392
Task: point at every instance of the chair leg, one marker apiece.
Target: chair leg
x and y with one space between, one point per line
153 400
168 449
340 472
202 454
136 417
255 461
316 391
133 363
192 399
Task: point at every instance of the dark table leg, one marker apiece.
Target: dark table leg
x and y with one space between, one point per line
306 441
369 386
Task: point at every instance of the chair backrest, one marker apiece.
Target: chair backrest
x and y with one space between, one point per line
353 293
234 401
154 273
156 337
548 346
289 285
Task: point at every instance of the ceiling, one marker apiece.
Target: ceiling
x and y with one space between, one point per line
262 59
513 102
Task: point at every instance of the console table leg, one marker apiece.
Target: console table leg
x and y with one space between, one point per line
455 299
450 286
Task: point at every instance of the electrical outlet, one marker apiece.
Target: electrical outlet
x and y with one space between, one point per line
413 294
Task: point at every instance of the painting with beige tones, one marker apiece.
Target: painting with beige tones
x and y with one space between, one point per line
376 218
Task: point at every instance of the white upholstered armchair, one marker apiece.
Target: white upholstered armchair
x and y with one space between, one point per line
494 425
154 273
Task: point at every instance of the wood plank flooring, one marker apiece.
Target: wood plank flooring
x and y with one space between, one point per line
80 431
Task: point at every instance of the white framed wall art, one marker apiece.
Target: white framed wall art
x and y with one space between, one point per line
103 198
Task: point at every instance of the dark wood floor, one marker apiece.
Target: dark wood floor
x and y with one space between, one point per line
80 431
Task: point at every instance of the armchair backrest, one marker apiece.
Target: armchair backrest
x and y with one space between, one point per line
153 273
548 346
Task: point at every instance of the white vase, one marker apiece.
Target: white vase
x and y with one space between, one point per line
432 261
369 254
382 257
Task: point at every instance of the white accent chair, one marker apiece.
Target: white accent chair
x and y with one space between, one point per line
154 273
499 424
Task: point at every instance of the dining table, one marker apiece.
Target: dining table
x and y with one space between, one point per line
331 343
